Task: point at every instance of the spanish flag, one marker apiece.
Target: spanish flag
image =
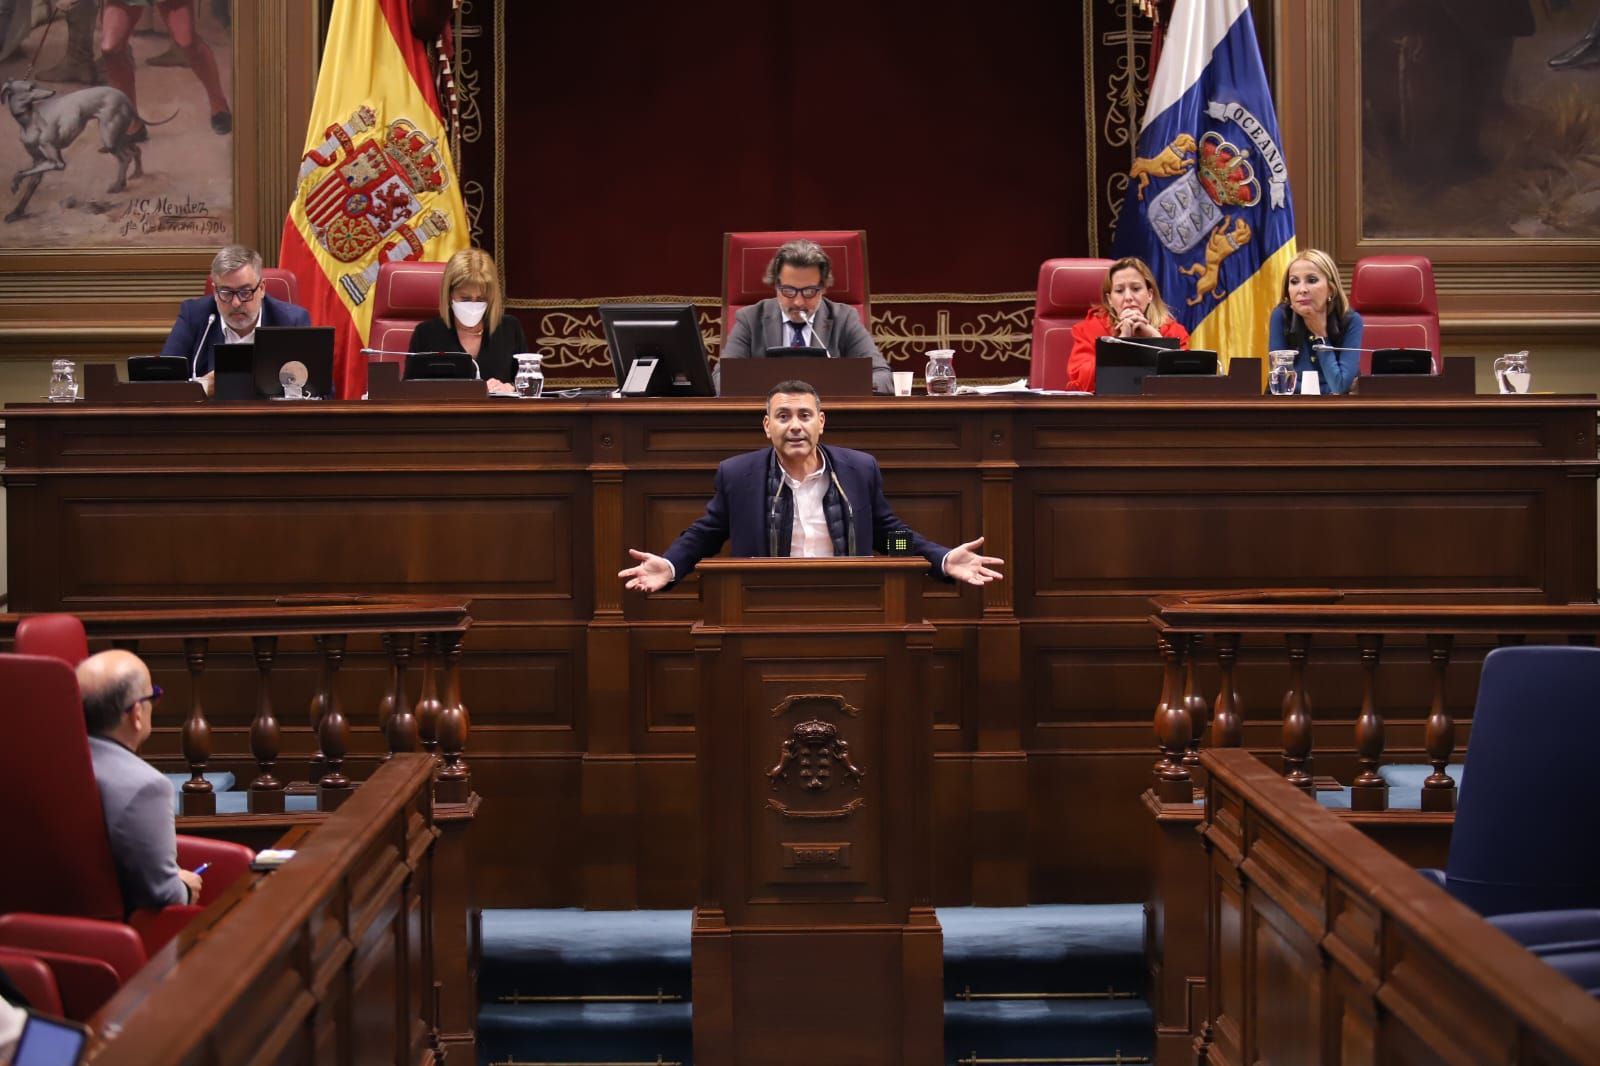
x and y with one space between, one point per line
1208 203
376 182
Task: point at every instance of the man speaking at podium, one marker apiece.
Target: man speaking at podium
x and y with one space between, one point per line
800 499
230 315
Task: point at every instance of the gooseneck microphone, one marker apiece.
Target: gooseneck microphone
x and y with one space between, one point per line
194 360
1320 347
849 514
772 521
1137 344
812 330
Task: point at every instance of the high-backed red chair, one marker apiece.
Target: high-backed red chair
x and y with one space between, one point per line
745 257
57 838
32 977
280 283
1068 289
1399 307
59 636
405 295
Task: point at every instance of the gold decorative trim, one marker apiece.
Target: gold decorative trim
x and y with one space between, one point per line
1090 125
839 812
499 139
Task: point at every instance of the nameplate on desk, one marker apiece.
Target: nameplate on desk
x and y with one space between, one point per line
830 377
1242 379
1458 378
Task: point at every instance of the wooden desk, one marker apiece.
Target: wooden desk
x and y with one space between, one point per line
583 697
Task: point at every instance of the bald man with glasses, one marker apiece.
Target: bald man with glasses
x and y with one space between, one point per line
799 315
119 704
230 315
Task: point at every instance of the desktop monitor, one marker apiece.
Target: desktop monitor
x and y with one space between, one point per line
1121 365
158 368
302 354
435 366
656 349
1402 361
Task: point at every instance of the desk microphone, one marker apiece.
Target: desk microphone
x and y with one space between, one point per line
772 522
849 514
1335 348
194 360
811 329
1137 344
477 371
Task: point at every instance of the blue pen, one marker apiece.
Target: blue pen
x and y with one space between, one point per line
202 868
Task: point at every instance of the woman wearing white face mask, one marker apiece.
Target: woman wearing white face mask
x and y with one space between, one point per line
472 319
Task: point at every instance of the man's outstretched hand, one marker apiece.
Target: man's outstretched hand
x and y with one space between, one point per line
965 564
653 572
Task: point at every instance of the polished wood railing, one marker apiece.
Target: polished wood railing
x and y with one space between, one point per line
1324 947
429 630
1188 628
329 958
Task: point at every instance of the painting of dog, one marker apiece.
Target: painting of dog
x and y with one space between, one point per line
51 122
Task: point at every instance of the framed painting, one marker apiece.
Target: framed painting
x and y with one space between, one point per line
139 137
1464 130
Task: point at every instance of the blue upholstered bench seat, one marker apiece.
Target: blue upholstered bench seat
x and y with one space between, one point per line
239 803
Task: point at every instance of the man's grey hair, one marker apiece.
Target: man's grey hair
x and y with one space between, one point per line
799 253
232 258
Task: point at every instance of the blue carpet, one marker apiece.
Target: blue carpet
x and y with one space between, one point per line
1000 950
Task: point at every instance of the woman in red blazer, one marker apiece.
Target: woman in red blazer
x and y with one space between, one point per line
1131 307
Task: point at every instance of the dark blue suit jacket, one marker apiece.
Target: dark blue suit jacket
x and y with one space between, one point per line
739 510
192 315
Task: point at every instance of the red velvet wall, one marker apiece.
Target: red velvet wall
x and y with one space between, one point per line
636 134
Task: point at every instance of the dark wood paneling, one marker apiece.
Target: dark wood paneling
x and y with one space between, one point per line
583 696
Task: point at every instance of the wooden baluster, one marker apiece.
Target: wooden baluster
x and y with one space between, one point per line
333 732
1297 715
319 703
1227 725
428 703
198 797
1172 781
1439 740
1194 704
1369 791
454 781
399 723
266 791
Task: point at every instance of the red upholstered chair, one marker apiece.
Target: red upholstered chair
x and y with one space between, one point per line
59 831
34 980
1398 305
280 283
405 295
59 636
745 257
1068 289
87 960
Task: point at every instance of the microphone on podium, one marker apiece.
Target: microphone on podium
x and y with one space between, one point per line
1320 347
1136 344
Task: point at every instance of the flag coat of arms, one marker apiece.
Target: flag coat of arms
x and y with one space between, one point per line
376 183
1208 203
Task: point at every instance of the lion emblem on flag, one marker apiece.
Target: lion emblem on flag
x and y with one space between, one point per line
373 198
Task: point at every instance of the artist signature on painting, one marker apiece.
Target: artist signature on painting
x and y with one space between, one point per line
163 214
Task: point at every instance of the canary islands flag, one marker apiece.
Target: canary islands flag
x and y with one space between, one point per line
376 183
1208 196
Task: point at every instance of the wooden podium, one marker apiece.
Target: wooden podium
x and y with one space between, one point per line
815 938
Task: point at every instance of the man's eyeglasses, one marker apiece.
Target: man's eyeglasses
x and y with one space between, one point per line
808 292
242 296
156 692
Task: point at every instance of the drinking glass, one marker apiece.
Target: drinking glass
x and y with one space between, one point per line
1281 375
63 381
529 382
940 376
1511 372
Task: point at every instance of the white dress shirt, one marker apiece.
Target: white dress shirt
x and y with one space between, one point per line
810 539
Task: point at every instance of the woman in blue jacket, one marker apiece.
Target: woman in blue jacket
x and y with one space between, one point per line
1315 311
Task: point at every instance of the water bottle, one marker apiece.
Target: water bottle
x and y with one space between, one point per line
529 382
1281 376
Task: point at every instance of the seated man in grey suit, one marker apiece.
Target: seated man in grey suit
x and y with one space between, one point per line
800 316
118 703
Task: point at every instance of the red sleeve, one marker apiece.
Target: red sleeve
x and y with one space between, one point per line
1080 364
1174 328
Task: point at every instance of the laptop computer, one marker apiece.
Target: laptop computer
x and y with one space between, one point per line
1120 366
158 368
302 354
830 377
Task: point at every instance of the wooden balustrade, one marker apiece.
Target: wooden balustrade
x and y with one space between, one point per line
1325 947
438 625
1298 620
330 957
